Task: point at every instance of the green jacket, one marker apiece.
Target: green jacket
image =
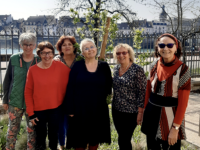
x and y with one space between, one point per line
15 80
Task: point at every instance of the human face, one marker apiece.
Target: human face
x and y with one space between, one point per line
67 47
167 53
89 50
121 58
28 47
46 55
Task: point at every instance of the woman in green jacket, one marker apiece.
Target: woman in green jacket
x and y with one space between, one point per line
13 89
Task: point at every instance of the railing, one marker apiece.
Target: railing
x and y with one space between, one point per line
9 44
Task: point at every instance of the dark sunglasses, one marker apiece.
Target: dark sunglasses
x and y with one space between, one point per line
123 53
169 45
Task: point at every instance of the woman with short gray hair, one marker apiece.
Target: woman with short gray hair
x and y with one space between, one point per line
28 37
13 89
90 82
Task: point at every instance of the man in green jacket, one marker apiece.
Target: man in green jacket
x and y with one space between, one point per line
13 89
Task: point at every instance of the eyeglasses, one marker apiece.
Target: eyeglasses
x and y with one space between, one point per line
169 45
46 53
123 53
27 45
88 48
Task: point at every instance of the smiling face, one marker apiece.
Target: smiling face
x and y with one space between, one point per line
123 56
46 55
89 50
167 53
67 47
28 47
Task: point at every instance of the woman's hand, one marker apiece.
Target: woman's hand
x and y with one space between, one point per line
140 115
71 115
139 118
33 121
5 107
57 59
173 136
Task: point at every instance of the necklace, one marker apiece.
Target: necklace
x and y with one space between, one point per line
122 72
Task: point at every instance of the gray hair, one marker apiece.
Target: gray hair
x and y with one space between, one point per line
28 37
85 40
128 48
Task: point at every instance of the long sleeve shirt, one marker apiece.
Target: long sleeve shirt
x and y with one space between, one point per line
129 89
165 73
45 88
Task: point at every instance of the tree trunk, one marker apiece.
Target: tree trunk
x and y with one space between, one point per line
181 17
96 20
183 48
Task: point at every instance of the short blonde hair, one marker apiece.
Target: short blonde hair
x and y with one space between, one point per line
127 47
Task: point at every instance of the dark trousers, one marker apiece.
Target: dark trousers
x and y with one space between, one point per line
48 119
157 144
63 126
125 124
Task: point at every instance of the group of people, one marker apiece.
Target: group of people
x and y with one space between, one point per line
61 96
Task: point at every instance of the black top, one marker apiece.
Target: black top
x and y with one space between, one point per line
129 89
63 60
86 99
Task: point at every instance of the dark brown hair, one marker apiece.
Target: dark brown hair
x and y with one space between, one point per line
42 45
61 41
179 49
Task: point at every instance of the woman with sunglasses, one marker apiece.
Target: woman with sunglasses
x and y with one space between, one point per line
90 82
167 94
129 84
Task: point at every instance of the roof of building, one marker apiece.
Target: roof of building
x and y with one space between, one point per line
163 14
138 23
41 19
2 17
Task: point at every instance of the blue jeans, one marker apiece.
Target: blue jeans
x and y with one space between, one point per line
63 126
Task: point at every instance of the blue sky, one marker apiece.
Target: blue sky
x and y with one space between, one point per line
25 8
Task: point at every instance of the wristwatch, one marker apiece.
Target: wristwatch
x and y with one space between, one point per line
175 127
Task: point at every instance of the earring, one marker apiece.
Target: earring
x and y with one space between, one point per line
175 52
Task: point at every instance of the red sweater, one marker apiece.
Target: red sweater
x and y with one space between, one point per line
45 88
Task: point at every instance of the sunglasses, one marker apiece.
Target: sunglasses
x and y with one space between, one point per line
123 53
169 45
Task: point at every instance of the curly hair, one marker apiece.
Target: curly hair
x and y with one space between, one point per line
61 41
127 47
179 49
42 45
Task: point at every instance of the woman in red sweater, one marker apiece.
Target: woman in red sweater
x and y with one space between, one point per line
167 94
44 93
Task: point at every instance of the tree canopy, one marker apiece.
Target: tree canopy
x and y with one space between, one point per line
111 6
